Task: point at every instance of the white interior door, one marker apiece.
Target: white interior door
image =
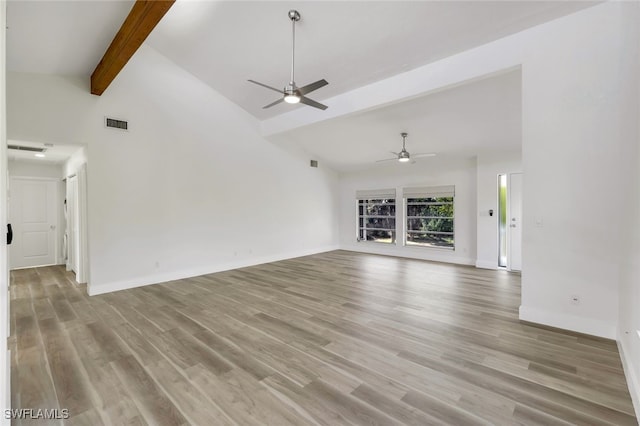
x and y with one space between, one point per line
514 190
33 217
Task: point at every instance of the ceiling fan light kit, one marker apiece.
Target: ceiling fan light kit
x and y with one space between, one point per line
291 98
291 93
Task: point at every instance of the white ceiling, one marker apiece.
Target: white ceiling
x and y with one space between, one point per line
224 43
349 43
480 116
61 37
53 154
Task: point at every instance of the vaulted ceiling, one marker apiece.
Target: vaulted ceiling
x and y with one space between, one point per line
349 43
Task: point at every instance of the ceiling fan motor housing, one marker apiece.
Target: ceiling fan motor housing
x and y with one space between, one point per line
294 15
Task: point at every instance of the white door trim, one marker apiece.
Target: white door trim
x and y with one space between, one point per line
5 329
83 249
510 230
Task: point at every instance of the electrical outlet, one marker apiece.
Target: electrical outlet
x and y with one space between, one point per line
575 299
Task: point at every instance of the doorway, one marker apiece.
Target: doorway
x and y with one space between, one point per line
33 216
49 223
510 221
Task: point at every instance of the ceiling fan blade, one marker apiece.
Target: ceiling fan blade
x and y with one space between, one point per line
423 155
312 103
273 103
267 87
386 159
313 86
395 153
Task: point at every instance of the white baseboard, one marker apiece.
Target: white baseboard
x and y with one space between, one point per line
633 381
483 264
431 254
569 322
95 290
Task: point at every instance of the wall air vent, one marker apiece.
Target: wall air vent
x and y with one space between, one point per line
116 124
26 148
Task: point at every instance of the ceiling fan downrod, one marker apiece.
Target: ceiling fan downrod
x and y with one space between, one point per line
295 17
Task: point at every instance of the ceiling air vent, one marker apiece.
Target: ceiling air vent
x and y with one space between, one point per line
26 148
116 124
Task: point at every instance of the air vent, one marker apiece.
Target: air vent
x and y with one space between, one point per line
314 163
26 148
116 124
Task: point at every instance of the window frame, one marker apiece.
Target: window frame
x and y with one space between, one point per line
433 194
375 200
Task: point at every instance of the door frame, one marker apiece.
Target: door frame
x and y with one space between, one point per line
509 213
80 208
56 236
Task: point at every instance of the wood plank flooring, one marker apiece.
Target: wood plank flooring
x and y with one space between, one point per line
330 339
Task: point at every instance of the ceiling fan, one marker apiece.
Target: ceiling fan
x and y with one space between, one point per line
404 156
291 93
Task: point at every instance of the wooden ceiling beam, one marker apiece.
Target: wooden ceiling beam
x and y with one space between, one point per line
142 19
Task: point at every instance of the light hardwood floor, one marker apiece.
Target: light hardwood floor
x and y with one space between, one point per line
329 339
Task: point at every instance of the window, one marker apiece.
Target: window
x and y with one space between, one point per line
430 217
377 216
502 221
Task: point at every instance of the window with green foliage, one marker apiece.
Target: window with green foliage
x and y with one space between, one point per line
502 220
430 216
377 220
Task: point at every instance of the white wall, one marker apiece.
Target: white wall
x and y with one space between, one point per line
191 188
489 166
428 172
35 169
47 170
73 164
572 156
629 300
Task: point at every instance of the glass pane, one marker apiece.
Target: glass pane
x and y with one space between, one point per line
383 223
438 210
430 200
381 210
434 240
381 236
438 225
502 220
376 220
